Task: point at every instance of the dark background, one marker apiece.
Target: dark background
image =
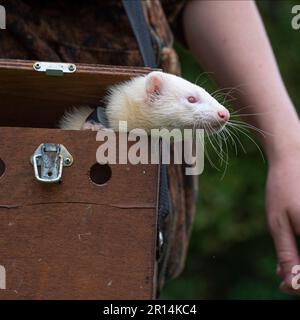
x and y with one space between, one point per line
231 255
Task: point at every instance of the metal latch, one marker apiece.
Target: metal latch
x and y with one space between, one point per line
51 158
54 68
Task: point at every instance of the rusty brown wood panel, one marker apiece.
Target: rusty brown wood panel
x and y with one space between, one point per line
75 239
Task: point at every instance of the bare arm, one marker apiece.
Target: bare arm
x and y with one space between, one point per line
229 39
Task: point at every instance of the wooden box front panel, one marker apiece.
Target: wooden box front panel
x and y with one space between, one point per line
75 240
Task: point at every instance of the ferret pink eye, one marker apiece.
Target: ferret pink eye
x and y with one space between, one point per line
192 99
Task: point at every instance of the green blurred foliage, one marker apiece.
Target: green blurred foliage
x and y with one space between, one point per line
231 255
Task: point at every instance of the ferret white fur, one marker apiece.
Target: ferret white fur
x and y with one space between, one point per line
157 100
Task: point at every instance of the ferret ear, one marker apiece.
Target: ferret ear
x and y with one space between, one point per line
154 84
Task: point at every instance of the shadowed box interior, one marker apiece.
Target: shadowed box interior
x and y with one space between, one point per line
32 99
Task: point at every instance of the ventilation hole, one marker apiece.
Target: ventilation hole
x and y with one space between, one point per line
2 168
100 173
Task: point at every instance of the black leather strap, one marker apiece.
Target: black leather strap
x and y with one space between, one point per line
99 116
139 25
135 13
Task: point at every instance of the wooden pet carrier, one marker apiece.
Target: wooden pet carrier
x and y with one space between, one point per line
92 236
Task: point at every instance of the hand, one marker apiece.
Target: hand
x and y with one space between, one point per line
283 210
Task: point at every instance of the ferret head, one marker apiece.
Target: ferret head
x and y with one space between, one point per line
177 103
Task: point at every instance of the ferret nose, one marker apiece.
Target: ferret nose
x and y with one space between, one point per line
224 115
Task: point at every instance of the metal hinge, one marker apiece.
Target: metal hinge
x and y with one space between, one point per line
51 158
54 68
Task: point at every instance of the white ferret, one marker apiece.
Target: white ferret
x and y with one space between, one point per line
157 100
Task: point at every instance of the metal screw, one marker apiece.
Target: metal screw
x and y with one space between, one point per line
37 66
67 161
71 67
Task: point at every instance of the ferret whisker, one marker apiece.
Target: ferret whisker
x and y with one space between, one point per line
232 140
227 101
206 153
251 139
224 132
243 108
228 94
220 135
220 153
249 126
222 94
256 144
218 139
213 94
200 75
227 160
230 89
215 137
206 129
223 138
247 114
238 140
214 148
